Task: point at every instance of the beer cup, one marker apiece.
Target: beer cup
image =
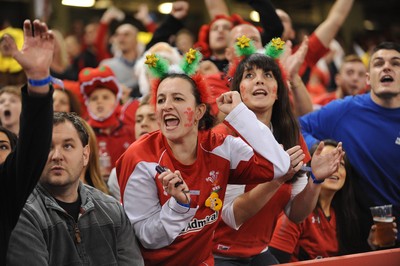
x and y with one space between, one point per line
383 220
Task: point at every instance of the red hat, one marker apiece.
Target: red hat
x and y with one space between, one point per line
101 77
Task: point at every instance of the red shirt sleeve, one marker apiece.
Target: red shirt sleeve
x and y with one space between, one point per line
316 50
286 235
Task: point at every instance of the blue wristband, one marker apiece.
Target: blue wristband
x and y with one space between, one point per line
314 180
187 205
39 82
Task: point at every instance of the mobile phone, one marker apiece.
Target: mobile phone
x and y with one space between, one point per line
161 169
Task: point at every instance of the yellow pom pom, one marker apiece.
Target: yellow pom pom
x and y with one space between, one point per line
243 42
191 55
151 60
278 43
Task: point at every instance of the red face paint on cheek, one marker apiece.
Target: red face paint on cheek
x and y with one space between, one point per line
275 92
189 116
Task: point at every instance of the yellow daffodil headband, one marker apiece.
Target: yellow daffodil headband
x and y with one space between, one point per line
160 68
245 47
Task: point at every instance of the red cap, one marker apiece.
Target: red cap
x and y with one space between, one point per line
101 77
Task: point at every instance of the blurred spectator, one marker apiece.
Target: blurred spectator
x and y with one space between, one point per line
102 93
351 80
10 108
65 100
10 70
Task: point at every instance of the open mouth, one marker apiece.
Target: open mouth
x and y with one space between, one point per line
260 92
100 109
171 121
7 113
335 178
387 79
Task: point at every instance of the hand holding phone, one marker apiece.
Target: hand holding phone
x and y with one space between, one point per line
161 169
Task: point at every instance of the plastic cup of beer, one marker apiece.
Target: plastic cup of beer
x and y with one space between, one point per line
383 220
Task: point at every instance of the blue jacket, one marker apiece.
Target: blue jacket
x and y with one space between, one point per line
47 235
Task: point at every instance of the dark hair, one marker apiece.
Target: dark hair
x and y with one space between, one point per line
348 232
386 46
207 121
62 117
286 127
12 137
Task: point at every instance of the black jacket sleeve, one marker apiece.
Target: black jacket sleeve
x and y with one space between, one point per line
269 20
169 27
23 167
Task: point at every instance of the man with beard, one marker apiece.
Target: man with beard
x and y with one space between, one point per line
368 125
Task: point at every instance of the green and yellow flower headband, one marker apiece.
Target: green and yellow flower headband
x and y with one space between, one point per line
245 47
160 68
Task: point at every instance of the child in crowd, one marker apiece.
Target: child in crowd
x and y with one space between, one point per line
10 108
102 93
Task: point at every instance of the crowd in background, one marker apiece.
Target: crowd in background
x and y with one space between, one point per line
335 111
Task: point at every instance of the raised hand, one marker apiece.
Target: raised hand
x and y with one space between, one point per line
325 165
180 9
228 101
292 62
36 54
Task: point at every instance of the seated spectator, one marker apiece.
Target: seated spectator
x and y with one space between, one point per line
65 222
331 229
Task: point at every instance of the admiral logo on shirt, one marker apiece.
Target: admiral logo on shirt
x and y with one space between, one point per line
198 224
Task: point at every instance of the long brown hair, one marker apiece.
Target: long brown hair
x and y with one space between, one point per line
92 172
